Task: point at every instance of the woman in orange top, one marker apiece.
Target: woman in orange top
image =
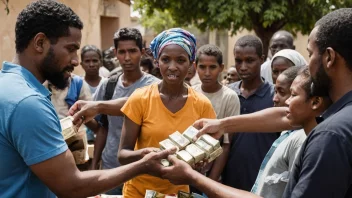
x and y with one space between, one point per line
154 112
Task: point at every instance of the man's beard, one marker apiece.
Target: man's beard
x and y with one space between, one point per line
321 83
50 69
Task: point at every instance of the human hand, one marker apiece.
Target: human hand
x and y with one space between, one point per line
151 161
83 111
179 173
212 127
146 151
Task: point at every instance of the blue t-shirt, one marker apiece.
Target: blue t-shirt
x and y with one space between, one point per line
30 132
249 149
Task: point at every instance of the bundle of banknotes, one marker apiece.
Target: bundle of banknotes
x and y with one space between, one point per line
205 148
68 128
180 194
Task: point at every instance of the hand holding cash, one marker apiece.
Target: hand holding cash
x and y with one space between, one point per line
83 111
213 127
190 149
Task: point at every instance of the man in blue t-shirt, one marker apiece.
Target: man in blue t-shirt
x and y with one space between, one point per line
34 159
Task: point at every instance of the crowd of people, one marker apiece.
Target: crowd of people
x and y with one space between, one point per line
283 122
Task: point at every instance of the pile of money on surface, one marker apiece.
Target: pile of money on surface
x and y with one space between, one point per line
192 152
68 129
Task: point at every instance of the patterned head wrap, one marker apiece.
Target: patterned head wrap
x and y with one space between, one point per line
176 36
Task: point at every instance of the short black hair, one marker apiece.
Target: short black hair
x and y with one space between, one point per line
251 41
210 50
286 34
147 62
307 82
93 48
335 31
127 34
291 73
49 17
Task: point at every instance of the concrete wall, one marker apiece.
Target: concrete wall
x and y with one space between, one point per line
90 12
300 42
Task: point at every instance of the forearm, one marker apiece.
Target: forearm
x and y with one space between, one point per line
267 120
127 156
99 145
93 125
214 189
220 163
111 107
90 183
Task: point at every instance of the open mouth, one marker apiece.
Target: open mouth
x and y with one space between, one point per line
172 76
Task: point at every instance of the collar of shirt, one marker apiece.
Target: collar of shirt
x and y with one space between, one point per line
259 92
337 106
27 75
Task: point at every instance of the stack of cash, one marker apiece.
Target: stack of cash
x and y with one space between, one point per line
190 133
68 129
204 148
167 144
179 140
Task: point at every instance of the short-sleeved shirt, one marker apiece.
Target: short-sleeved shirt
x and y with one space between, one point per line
324 165
109 155
249 149
30 132
272 179
146 109
225 103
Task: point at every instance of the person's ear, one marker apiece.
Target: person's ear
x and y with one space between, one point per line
262 58
194 64
115 52
316 102
330 57
143 51
41 43
222 66
156 63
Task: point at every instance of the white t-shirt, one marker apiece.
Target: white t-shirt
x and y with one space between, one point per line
225 103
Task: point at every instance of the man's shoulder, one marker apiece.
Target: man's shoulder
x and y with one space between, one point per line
148 79
235 87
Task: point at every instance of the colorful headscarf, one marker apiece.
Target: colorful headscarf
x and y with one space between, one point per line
176 36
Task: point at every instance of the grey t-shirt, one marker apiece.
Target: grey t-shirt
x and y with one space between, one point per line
275 175
109 155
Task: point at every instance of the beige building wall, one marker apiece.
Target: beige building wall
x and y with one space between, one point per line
300 42
90 12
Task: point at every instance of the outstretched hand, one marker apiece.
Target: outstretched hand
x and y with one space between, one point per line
83 111
212 127
152 160
179 173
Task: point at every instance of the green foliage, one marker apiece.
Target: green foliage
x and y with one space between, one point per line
159 21
265 17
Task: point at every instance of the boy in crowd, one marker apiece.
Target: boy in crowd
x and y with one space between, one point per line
128 50
255 93
225 101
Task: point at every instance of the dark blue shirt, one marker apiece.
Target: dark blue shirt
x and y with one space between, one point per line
249 149
324 166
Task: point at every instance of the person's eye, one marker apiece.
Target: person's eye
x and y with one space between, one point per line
181 61
165 60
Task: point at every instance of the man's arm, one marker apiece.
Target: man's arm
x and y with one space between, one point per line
90 109
99 146
181 173
267 120
61 175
